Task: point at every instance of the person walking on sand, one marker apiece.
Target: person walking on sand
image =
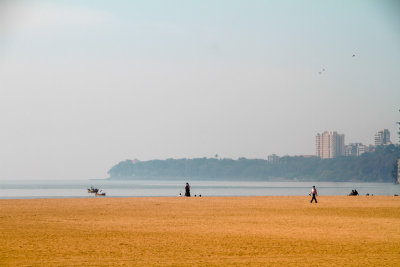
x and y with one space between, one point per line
313 193
187 190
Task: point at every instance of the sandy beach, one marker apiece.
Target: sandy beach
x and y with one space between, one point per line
207 231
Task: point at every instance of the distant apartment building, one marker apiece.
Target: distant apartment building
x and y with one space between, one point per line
329 145
273 159
354 149
382 137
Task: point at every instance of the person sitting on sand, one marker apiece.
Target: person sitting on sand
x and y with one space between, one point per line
313 193
353 193
187 190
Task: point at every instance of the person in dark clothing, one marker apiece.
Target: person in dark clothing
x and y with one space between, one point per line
313 193
187 190
353 193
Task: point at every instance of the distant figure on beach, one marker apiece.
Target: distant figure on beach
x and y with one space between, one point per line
187 190
313 193
354 193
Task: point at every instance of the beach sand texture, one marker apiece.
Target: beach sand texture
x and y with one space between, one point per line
207 231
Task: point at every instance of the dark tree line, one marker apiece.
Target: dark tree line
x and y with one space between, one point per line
377 166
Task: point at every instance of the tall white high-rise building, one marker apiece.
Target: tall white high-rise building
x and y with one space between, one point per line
382 137
329 145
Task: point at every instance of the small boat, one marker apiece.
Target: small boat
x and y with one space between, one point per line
93 190
100 193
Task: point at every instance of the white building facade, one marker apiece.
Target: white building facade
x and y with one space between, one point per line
329 145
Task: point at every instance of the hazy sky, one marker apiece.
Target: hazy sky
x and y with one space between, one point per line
86 84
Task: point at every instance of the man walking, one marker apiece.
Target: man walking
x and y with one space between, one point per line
313 193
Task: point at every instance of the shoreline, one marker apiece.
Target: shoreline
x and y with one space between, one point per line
135 197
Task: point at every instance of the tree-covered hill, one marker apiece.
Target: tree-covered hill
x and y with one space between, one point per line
375 166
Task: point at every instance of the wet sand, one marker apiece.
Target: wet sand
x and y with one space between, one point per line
207 231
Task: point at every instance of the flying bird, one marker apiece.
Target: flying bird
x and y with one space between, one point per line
353 55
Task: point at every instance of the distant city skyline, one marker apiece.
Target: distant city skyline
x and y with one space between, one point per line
86 84
330 144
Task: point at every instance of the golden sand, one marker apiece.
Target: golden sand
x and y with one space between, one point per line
207 231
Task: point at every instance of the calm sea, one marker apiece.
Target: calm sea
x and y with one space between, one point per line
147 188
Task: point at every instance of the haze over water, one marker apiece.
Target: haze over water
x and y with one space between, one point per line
86 84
